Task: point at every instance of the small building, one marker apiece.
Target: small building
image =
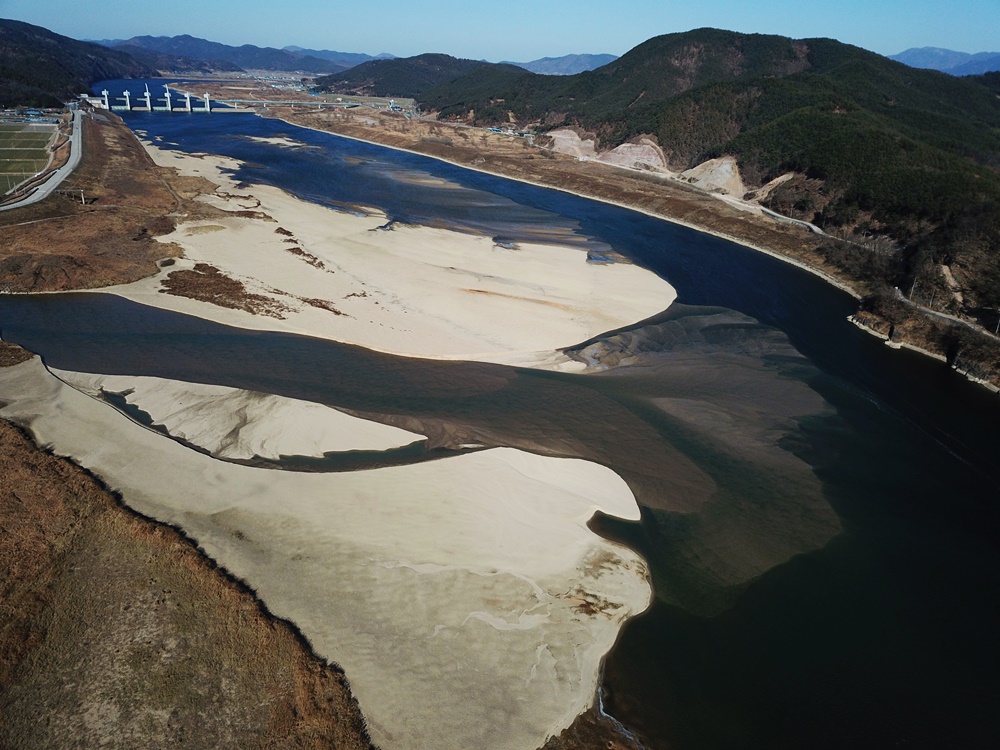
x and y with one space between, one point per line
96 102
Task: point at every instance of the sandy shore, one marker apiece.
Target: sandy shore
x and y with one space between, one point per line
466 598
417 291
233 423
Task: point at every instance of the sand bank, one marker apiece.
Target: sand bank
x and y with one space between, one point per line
466 598
233 423
417 291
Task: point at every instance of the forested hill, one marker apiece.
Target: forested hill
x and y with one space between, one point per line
410 77
41 68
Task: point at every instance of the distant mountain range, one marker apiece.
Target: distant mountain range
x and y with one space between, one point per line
186 52
246 57
949 61
347 59
162 61
41 68
566 65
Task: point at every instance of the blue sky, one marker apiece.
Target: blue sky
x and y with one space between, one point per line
516 29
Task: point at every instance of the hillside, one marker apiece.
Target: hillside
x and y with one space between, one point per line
410 77
41 68
163 62
247 56
986 62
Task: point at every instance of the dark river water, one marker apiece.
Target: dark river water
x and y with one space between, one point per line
820 512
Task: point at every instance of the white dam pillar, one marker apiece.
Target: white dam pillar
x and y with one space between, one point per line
208 106
187 102
107 104
166 96
128 101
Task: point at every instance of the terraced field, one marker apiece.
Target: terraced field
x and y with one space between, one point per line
24 151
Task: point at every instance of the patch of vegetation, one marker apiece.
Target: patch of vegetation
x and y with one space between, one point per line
23 152
208 284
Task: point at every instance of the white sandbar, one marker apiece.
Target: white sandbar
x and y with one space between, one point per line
417 291
234 423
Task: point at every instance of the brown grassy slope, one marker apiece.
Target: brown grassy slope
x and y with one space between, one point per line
61 244
116 632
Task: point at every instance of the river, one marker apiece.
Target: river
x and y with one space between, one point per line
819 511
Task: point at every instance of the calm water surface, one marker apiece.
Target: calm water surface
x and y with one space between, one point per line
820 512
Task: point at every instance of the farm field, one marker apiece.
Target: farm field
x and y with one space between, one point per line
24 151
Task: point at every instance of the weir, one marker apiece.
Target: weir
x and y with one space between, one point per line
164 103
149 103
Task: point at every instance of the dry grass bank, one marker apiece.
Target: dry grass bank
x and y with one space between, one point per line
61 243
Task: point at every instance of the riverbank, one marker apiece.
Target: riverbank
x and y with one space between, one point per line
643 191
116 630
